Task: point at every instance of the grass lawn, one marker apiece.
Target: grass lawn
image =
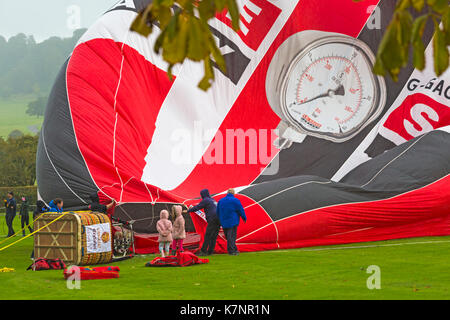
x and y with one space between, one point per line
13 116
411 270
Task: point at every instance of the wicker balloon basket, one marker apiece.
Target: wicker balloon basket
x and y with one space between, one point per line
78 238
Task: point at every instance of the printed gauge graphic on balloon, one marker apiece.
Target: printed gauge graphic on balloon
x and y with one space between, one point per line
321 84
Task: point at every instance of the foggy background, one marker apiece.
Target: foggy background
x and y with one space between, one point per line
36 38
45 18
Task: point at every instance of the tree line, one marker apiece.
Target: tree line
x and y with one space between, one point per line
18 160
27 67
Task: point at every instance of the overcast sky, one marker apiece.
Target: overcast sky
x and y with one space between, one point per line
46 18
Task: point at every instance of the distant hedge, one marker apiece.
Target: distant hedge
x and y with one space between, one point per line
29 191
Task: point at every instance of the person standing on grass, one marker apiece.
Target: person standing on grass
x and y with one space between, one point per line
179 232
230 211
11 207
164 227
24 216
209 205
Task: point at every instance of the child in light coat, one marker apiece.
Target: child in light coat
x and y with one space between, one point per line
179 232
164 227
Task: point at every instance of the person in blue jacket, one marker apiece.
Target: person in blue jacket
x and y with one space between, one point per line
56 205
230 211
209 205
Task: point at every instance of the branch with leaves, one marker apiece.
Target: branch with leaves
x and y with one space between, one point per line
405 32
185 33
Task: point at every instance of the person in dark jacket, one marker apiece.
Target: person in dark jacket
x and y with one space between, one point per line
230 211
56 205
96 206
24 216
209 205
11 207
40 208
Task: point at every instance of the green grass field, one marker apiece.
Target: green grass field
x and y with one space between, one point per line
410 269
13 116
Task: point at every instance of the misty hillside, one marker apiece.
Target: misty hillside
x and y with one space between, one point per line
27 72
27 67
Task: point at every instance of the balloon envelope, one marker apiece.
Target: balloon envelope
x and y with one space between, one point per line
320 149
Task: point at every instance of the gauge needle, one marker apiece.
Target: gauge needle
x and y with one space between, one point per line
339 91
340 127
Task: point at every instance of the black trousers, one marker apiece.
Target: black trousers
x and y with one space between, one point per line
230 234
211 233
25 220
9 222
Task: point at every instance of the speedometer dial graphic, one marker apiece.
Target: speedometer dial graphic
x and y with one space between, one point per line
325 87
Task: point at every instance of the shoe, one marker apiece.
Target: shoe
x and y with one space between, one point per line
202 254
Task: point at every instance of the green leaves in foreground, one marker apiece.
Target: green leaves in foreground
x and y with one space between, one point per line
404 31
185 33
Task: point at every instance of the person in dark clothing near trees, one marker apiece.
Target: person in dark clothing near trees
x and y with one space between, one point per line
24 216
230 211
11 207
209 205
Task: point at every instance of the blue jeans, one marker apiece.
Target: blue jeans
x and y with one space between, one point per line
230 234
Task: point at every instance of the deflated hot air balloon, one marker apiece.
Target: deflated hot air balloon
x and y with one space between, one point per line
321 150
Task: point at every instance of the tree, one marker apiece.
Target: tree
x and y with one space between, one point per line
27 67
37 107
15 134
185 34
18 158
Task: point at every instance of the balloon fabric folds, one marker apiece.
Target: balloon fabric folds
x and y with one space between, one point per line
320 150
